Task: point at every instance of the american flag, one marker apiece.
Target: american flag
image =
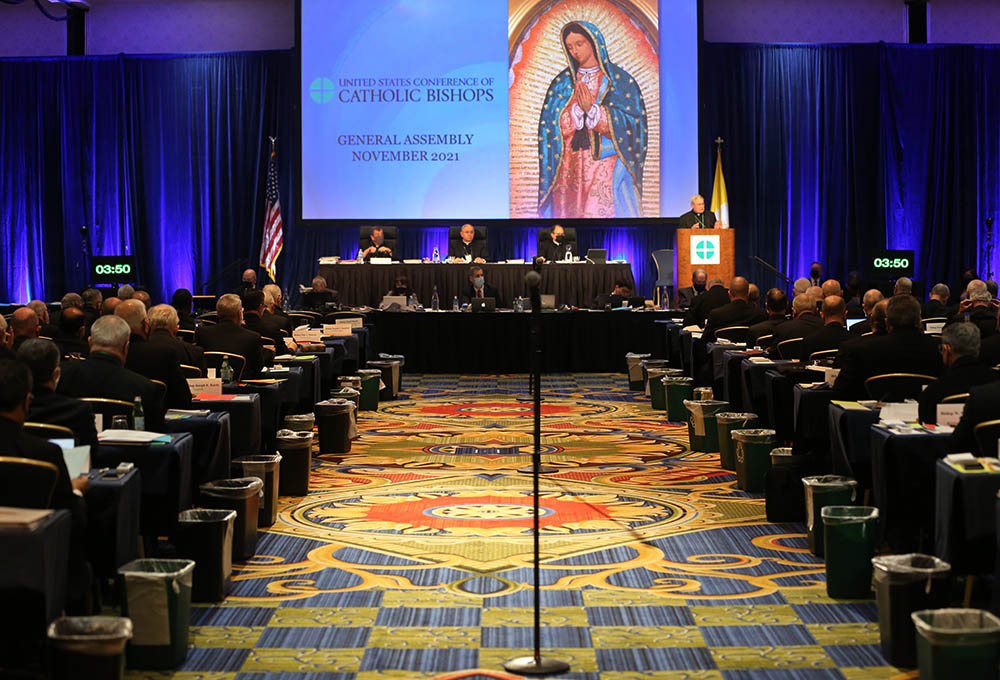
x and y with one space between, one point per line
270 246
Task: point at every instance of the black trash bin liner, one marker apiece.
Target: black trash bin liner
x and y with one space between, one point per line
156 595
296 462
88 647
243 496
206 536
267 468
905 584
333 421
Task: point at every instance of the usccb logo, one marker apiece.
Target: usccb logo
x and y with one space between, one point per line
321 90
704 249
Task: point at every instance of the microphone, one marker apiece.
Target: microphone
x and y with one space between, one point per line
989 225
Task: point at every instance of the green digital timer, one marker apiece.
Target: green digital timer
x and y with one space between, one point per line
892 263
112 269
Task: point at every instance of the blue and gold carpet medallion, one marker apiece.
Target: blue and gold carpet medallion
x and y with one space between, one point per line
411 555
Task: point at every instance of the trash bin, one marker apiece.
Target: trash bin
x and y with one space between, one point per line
784 495
267 468
333 420
399 358
370 378
299 422
243 496
849 545
957 643
350 394
703 433
390 378
296 462
824 490
156 595
206 536
88 647
905 584
657 396
726 422
703 394
752 450
352 381
677 389
633 366
648 364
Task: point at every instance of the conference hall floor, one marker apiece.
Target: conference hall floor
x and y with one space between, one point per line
410 557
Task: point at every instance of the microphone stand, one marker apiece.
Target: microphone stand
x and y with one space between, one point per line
536 664
774 270
989 248
86 255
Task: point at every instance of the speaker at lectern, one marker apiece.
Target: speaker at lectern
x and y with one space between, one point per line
710 249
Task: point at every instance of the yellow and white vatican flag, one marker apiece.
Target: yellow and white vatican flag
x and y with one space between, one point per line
720 201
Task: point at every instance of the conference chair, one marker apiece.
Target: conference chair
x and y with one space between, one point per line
237 362
765 340
897 386
49 431
301 318
45 337
789 349
734 333
959 398
190 371
933 320
203 303
186 336
569 238
987 435
26 483
332 317
664 261
823 355
210 317
108 408
390 239
455 237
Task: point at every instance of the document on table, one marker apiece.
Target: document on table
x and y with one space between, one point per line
131 437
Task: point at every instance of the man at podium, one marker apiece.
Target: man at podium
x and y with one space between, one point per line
697 217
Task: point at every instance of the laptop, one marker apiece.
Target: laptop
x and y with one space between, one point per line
548 301
597 255
486 304
389 300
852 322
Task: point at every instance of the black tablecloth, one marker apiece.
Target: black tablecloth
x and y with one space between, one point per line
732 390
36 561
812 424
113 508
903 485
965 532
244 423
166 478
309 384
212 445
850 443
468 342
573 284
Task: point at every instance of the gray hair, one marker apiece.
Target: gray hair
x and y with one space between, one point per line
980 296
71 300
163 316
803 302
41 356
800 286
941 290
268 298
229 307
904 285
41 310
274 290
963 338
872 297
109 332
92 295
133 312
125 292
974 285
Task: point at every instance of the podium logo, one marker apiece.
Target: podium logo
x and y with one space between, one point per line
321 90
705 250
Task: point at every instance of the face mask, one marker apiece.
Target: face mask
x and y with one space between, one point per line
479 282
700 287
815 273
557 238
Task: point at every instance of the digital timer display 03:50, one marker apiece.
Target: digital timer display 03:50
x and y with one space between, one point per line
119 268
891 263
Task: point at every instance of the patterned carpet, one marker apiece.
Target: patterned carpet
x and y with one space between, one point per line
411 556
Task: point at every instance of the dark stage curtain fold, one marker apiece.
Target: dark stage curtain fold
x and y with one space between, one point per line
831 151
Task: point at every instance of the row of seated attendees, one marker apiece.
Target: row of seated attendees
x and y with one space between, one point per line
892 338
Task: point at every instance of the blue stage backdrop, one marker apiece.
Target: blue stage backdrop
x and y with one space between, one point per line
830 151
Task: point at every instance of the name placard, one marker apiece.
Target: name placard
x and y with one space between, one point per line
308 335
206 385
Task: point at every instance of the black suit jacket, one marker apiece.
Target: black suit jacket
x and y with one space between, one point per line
799 327
186 322
102 375
269 326
934 308
961 377
736 313
57 409
185 352
551 251
829 336
762 328
686 297
689 220
460 249
906 350
488 291
983 404
72 346
714 297
985 319
368 243
159 363
860 328
15 442
989 350
226 336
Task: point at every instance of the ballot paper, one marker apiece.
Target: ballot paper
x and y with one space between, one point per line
77 457
902 413
131 437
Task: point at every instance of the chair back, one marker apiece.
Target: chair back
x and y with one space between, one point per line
734 333
545 233
190 371
987 435
390 238
332 317
109 408
49 431
933 320
455 236
300 318
186 336
26 482
790 349
212 317
897 386
237 362
823 355
765 340
959 398
664 261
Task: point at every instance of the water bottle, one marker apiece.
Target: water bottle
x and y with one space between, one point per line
361 255
411 301
454 304
569 253
435 300
518 305
436 257
226 371
138 418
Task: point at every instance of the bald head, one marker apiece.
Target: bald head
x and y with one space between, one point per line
250 277
832 287
878 316
72 322
24 323
816 292
143 297
834 310
133 312
739 288
803 303
872 297
108 306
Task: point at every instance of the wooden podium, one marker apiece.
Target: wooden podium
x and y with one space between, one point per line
710 249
